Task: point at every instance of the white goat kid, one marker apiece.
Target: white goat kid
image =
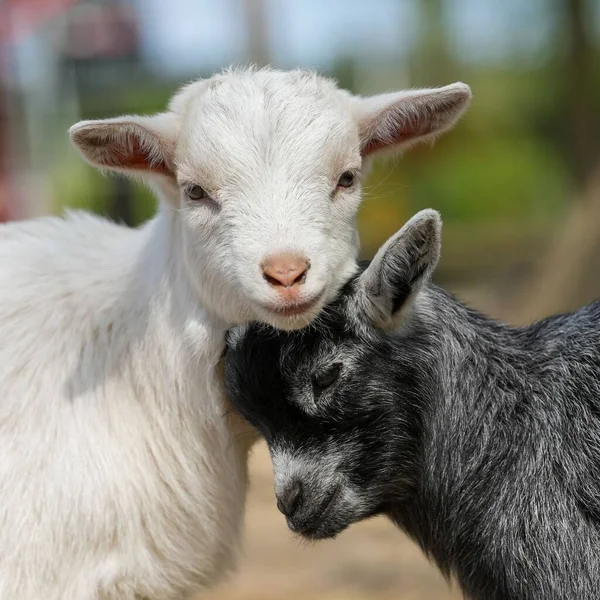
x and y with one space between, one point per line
120 476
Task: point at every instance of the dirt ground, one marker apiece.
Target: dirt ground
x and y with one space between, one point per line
370 561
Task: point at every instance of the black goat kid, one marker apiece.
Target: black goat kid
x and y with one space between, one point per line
481 441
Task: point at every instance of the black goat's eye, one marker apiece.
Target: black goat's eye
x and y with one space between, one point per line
324 379
195 192
346 180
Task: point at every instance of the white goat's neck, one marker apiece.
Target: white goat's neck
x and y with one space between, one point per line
178 334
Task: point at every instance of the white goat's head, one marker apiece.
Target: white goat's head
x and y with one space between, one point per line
263 169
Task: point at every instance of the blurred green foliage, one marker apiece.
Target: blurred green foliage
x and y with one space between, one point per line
508 169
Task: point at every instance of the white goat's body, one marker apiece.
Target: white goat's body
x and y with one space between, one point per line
119 477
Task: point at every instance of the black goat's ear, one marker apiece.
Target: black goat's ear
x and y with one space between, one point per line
400 268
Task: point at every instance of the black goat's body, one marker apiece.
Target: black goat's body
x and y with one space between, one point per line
506 492
480 440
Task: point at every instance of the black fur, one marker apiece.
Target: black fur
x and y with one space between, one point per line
481 441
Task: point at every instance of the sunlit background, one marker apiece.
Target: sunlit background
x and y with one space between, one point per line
517 182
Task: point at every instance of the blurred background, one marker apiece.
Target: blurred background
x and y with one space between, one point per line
517 182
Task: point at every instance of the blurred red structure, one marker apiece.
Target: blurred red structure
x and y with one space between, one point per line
19 18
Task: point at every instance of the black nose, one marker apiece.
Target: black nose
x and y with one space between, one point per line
289 500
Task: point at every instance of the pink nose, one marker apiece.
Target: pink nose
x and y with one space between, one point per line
285 270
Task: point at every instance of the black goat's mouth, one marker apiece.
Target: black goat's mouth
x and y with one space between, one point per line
324 522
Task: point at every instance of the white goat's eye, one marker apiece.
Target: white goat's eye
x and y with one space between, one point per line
195 192
346 180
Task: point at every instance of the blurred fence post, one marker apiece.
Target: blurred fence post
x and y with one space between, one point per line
8 198
3 147
102 43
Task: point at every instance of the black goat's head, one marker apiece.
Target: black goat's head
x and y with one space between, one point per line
335 401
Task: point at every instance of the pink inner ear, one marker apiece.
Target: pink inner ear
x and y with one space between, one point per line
375 144
114 149
136 158
394 127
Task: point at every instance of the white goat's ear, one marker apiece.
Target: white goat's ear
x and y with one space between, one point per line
131 144
398 120
400 268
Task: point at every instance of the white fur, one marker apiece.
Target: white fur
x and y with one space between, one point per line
121 475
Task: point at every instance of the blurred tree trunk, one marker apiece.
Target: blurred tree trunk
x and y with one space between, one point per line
431 60
565 268
559 282
579 86
257 32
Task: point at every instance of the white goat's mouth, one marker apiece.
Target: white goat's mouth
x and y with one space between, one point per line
294 309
